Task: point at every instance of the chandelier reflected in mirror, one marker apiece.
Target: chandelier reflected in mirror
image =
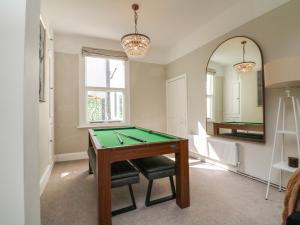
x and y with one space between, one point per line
135 44
244 66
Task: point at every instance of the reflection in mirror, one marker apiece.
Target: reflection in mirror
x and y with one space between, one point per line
235 92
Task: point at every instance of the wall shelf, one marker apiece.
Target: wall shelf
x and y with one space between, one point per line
283 165
287 132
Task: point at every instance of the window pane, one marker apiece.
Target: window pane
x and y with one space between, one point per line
95 72
117 71
105 106
102 72
209 107
209 84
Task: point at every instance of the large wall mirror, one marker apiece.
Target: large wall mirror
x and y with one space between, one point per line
235 91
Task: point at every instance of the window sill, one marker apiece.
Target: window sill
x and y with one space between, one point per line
99 125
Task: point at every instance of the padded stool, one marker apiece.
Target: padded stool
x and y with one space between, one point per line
122 174
156 167
294 219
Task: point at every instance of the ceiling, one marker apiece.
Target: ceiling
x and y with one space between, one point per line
231 52
166 22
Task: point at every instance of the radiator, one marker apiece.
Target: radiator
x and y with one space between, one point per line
214 148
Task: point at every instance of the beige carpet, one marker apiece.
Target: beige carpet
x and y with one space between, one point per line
217 197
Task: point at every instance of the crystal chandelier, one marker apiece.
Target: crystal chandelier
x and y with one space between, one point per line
245 66
135 44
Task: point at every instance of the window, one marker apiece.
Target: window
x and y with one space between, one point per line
210 95
104 93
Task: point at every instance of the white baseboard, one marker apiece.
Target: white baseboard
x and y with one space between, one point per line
45 177
194 155
71 156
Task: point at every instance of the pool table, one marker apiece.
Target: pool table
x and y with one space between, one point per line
244 126
124 143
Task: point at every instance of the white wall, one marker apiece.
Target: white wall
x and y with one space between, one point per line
30 104
278 35
289 66
147 92
63 44
19 190
12 154
148 95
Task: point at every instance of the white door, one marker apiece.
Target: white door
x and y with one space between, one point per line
176 92
236 98
232 103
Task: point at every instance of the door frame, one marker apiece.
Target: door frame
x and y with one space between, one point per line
183 76
51 100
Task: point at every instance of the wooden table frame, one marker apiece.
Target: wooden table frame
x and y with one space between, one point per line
235 126
242 126
106 156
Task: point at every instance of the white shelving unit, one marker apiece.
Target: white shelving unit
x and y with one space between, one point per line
282 165
287 132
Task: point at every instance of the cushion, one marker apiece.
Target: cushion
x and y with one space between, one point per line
122 173
154 164
122 169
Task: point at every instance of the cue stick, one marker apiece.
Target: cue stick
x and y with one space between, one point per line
134 138
119 138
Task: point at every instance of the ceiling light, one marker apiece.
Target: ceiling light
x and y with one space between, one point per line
135 44
244 66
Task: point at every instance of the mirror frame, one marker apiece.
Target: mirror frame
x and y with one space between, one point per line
263 140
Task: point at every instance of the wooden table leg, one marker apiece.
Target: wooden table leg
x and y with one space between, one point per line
216 130
182 176
104 188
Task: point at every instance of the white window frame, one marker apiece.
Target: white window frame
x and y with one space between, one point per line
83 123
211 96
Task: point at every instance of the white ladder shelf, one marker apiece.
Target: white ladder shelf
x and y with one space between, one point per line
282 165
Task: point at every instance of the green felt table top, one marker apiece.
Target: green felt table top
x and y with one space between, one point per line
242 123
108 137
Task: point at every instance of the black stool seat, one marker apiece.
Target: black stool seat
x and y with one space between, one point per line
122 170
294 219
154 164
156 167
122 174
